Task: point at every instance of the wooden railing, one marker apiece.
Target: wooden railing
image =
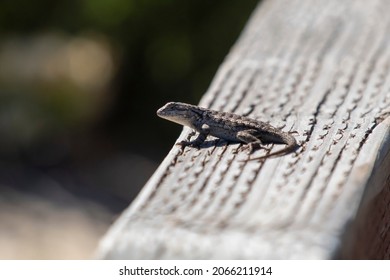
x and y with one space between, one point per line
322 69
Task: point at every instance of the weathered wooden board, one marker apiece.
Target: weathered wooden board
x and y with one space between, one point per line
320 68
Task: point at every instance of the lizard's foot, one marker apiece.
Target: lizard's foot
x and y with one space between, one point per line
251 147
242 148
184 144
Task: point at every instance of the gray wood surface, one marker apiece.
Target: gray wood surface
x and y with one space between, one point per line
320 68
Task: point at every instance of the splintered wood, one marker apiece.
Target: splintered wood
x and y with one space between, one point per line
321 69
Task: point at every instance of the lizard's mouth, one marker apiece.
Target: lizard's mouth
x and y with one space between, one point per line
166 111
172 116
165 114
162 113
175 112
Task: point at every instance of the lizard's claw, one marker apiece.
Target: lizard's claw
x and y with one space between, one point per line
242 148
253 147
184 144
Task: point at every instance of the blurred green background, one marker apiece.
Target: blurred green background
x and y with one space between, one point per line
80 83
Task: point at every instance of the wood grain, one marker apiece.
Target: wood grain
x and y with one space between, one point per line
320 68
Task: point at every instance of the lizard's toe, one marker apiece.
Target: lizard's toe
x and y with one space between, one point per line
242 148
253 147
183 144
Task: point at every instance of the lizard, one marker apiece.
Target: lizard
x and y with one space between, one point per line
228 126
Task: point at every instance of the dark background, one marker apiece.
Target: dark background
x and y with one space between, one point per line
80 83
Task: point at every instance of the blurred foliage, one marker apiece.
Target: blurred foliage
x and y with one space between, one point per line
51 87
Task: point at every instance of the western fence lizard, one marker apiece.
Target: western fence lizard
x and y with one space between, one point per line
227 126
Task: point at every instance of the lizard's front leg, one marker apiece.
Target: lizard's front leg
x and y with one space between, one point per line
203 133
247 137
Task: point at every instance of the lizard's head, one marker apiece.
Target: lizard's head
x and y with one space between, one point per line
177 112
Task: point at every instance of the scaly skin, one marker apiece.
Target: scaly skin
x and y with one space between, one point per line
227 126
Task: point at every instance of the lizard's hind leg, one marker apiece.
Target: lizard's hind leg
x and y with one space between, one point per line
253 143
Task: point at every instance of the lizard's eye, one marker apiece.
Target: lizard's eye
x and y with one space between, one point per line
179 108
